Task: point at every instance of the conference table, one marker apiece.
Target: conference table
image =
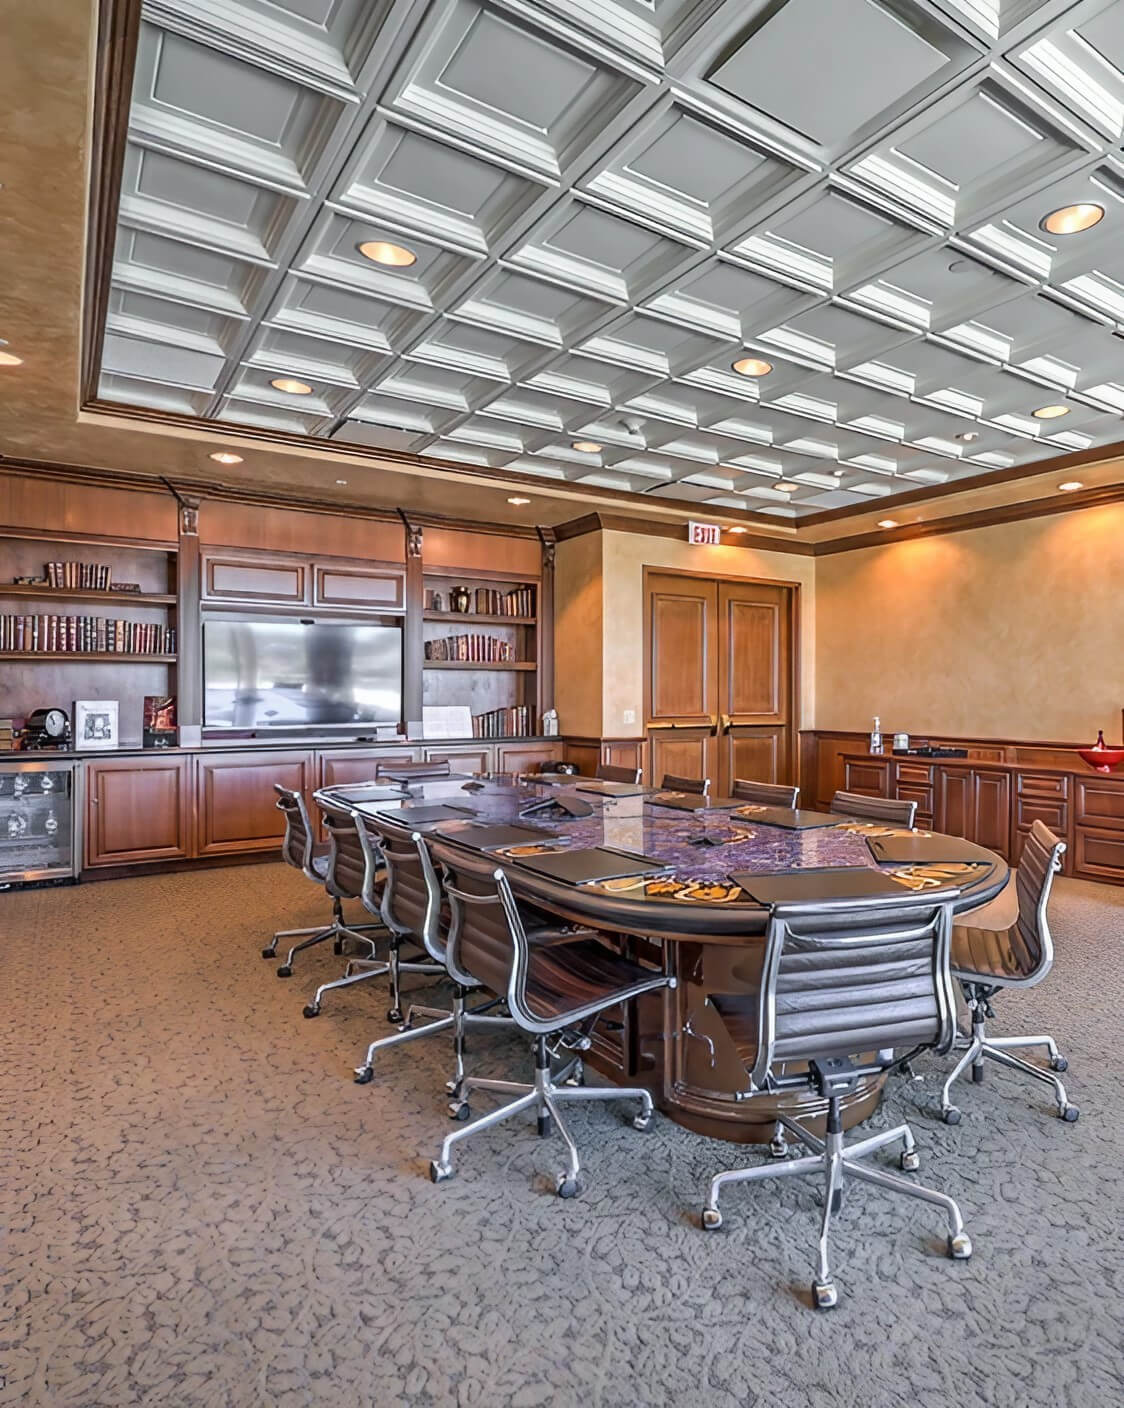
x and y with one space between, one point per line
690 1045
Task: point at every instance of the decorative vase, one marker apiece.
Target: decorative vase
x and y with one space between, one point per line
459 599
1100 756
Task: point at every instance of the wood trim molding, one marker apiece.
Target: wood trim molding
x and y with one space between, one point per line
616 523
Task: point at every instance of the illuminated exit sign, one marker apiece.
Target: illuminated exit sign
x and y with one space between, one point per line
708 534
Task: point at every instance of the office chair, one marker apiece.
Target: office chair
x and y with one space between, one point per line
985 961
607 772
888 809
420 771
555 993
839 979
769 794
412 907
699 785
299 850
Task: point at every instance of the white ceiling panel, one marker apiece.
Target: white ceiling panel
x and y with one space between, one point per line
579 214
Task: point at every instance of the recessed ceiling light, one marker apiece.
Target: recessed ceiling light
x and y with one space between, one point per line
291 386
786 486
1050 412
383 252
1072 219
341 481
225 457
961 266
737 530
968 436
1069 486
9 359
752 366
887 523
587 447
515 499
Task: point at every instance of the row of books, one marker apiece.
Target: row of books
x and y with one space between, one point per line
81 576
7 735
516 722
51 634
469 647
520 601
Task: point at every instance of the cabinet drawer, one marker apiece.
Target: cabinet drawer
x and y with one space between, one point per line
1042 784
1098 855
923 796
461 759
1052 813
1099 804
871 779
915 772
526 757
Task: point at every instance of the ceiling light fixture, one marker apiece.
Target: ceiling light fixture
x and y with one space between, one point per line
887 523
225 457
587 447
752 366
737 530
515 499
1050 412
968 436
341 481
383 252
9 359
291 386
1069 486
786 486
1072 219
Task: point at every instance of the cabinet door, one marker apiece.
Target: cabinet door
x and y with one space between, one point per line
462 758
235 802
526 757
350 766
382 588
991 810
233 577
954 802
137 809
870 779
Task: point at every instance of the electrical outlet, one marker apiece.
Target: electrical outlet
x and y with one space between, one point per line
629 716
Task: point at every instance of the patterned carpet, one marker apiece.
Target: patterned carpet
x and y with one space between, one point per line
201 1208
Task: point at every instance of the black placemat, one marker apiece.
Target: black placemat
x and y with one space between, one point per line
920 850
790 818
822 883
494 838
692 802
549 808
597 863
413 816
603 788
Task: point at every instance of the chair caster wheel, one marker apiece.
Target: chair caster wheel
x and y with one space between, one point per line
778 1148
394 1015
1069 1113
824 1295
337 947
312 1010
978 1075
405 1026
269 952
546 1127
284 971
1059 1063
568 1187
960 1247
453 1087
910 1161
459 1110
711 1219
951 1115
642 1122
439 1172
364 1075
576 1077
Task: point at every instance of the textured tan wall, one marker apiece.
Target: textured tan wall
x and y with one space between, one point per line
625 555
578 631
1010 631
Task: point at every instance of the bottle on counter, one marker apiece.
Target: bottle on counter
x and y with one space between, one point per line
876 736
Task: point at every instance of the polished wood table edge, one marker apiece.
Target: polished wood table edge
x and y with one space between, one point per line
1079 769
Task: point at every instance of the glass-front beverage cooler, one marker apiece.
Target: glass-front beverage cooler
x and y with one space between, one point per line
38 820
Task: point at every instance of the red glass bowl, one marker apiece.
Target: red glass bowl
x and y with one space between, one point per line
1103 759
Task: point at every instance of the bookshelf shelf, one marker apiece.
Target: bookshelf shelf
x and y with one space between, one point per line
479 665
115 657
480 618
62 594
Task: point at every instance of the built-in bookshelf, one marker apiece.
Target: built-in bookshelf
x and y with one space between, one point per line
502 619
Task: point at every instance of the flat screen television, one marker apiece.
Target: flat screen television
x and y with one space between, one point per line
283 674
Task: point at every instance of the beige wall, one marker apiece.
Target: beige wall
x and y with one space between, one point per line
622 558
1013 631
578 632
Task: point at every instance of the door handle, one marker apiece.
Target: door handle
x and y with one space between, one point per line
725 724
652 727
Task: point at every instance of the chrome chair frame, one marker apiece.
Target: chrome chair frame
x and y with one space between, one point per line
979 989
548 1088
833 1074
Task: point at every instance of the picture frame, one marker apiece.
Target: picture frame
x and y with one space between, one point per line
95 725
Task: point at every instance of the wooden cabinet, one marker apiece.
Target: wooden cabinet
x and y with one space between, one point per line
246 578
462 758
236 806
870 779
374 588
346 767
526 757
1043 797
138 809
975 803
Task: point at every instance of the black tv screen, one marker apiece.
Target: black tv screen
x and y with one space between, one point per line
281 674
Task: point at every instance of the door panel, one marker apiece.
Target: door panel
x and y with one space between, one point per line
137 809
236 805
759 755
753 653
683 751
681 675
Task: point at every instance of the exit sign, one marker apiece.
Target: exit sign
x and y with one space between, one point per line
708 534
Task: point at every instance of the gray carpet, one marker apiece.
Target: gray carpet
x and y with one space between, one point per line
202 1209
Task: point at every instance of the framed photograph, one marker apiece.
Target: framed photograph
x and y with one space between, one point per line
95 724
159 721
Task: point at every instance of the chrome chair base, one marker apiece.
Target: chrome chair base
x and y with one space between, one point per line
980 1047
544 1095
338 931
457 1020
836 1162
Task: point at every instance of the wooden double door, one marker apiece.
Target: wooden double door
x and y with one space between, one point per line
719 679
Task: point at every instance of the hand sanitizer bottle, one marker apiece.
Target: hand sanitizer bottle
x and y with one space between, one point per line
876 736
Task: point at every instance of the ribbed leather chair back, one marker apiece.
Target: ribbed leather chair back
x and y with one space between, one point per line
769 794
296 844
607 772
411 900
673 783
347 863
480 943
1034 879
847 978
419 770
887 809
